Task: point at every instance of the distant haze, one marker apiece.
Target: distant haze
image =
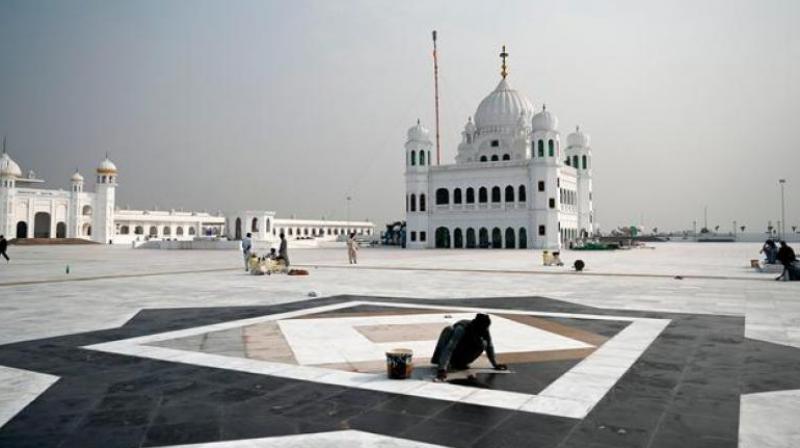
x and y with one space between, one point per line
292 106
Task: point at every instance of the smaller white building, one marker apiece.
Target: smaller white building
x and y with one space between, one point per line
266 227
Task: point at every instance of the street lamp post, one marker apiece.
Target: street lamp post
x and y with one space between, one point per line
348 210
782 182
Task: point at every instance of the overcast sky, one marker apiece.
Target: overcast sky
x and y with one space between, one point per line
291 106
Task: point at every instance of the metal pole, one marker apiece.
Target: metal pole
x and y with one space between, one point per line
783 210
436 96
348 213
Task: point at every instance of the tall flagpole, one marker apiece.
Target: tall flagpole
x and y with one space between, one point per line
436 96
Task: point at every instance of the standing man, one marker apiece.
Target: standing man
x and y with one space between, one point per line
786 257
247 246
352 248
283 251
3 247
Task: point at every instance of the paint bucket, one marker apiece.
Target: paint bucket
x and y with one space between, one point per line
399 364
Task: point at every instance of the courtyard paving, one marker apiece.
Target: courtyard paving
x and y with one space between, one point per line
679 344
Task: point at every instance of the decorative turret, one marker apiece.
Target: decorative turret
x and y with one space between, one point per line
545 138
103 228
77 181
579 156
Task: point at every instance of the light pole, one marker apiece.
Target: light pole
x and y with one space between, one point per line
348 210
782 182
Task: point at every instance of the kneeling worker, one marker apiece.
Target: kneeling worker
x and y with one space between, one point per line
462 343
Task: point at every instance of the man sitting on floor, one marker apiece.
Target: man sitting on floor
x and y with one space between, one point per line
462 343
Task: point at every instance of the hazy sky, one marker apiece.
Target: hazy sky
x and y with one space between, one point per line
291 106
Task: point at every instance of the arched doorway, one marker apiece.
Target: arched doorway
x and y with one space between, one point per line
483 238
41 225
254 225
87 229
238 234
458 239
442 238
22 229
510 243
523 238
470 238
497 238
61 230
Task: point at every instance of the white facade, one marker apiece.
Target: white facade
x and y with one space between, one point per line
29 212
513 184
265 227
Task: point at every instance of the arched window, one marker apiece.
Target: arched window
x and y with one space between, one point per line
458 239
139 230
523 238
470 195
510 240
290 231
238 234
483 238
509 194
457 196
124 230
482 195
484 159
551 148
413 202
179 231
87 210
305 231
413 158
422 158
442 238
506 156
521 196
442 196
495 158
268 225
541 148
422 202
496 194
470 238
153 231
568 162
575 161
497 238
192 231
584 162
167 231
254 225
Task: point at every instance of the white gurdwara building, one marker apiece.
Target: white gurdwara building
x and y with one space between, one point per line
30 212
513 184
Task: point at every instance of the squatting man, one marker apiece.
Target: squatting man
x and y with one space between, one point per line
462 343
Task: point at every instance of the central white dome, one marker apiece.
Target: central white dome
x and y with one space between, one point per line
502 107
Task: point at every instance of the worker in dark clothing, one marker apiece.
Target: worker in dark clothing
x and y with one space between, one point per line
462 343
3 247
283 250
786 257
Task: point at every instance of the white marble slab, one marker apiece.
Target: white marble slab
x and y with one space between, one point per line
18 388
347 438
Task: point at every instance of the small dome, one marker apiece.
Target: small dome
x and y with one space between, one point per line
470 126
9 167
418 133
502 107
76 177
107 167
544 121
578 138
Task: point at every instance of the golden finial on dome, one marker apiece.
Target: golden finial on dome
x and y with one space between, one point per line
503 66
